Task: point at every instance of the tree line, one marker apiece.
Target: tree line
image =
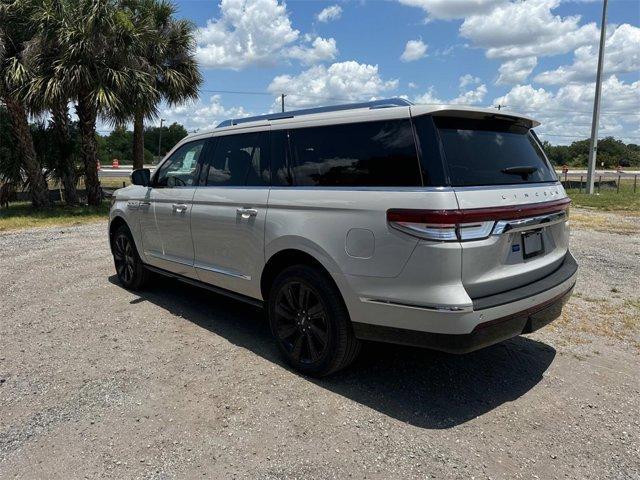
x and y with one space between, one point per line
114 60
612 153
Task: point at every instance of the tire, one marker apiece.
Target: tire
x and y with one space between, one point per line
310 322
129 267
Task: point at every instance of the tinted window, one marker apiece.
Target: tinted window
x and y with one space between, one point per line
181 168
360 154
280 173
429 148
239 160
488 152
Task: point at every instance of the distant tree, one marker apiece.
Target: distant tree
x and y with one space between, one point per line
611 152
170 136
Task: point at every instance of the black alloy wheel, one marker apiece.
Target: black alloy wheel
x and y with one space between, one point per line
123 258
129 267
310 322
301 321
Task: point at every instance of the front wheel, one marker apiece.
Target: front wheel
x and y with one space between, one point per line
310 322
129 267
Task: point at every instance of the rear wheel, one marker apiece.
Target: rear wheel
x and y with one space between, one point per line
129 267
310 322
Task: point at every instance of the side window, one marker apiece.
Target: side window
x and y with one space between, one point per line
280 172
240 160
433 172
181 169
368 154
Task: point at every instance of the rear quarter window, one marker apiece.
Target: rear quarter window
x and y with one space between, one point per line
491 152
367 154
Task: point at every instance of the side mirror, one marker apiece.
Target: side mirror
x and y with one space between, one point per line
141 176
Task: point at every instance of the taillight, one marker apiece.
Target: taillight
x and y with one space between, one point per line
465 224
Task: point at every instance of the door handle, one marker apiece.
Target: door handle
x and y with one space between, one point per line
179 207
145 204
247 212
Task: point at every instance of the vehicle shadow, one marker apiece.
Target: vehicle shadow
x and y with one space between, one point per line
424 388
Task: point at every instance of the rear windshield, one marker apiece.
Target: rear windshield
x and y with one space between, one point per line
491 152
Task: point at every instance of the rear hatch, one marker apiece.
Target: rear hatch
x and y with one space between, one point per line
504 185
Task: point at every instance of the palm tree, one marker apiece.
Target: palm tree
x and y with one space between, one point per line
169 59
15 31
96 65
40 54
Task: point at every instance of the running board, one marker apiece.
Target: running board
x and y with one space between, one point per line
197 283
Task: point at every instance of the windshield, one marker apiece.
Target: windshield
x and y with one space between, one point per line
491 152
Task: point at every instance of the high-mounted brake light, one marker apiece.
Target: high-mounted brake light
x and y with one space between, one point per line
466 224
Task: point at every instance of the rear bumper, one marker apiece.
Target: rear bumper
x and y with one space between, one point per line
487 320
483 335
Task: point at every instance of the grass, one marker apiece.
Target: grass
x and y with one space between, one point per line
114 182
21 215
608 199
607 222
607 318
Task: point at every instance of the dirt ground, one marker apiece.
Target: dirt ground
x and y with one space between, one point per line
98 382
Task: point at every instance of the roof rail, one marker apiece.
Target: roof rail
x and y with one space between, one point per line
390 102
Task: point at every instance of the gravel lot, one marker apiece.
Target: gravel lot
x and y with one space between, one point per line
98 382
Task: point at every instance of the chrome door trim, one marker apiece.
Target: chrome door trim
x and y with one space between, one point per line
162 257
222 271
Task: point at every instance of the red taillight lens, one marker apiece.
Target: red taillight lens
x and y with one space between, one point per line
465 224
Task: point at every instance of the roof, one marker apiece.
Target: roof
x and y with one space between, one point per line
391 102
391 108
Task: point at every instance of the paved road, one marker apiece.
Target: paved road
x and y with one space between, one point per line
123 171
175 382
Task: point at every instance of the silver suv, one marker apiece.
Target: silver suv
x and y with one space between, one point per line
437 227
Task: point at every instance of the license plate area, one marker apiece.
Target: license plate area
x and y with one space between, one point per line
532 244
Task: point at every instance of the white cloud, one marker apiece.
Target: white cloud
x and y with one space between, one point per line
622 55
340 82
516 71
412 85
334 12
320 50
469 97
526 29
449 9
200 115
468 79
256 32
414 50
567 112
429 98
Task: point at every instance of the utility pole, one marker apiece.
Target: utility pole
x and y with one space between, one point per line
593 144
160 139
282 101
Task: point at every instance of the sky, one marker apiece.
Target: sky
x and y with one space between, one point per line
536 57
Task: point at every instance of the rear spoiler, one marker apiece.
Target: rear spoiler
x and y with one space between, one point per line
472 112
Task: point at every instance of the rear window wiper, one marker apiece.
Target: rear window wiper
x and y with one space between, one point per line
524 171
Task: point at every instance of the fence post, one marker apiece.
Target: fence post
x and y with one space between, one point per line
565 177
124 184
635 183
618 184
599 182
580 185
